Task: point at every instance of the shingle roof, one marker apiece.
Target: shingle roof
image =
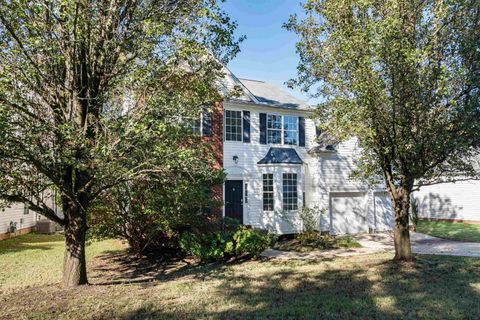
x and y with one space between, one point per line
259 92
268 94
281 155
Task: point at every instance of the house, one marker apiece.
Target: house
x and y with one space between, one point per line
276 164
16 219
457 202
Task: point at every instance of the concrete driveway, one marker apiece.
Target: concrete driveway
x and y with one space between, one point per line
383 242
421 244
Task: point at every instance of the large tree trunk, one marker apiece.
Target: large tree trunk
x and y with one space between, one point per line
401 233
74 263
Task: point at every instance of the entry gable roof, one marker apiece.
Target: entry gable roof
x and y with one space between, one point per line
281 155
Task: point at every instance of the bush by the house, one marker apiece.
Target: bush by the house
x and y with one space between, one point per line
207 247
225 243
251 241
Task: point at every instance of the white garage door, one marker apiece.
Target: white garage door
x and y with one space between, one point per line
383 212
349 212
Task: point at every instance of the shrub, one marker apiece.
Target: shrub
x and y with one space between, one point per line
223 244
347 242
207 247
251 241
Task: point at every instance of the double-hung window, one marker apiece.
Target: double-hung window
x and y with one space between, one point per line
195 124
290 194
274 129
290 130
233 125
282 129
268 204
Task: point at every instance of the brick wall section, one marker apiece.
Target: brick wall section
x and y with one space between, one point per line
217 145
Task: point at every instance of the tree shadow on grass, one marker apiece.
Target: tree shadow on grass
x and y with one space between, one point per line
30 241
433 287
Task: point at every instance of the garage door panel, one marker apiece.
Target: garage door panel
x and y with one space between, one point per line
349 214
383 212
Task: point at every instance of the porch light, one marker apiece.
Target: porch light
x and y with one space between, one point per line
235 159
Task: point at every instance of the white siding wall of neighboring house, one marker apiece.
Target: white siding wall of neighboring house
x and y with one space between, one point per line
16 213
455 201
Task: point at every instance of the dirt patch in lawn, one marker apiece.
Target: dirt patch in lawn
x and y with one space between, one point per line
293 244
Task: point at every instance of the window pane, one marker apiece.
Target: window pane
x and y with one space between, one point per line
290 196
193 123
290 127
233 125
268 192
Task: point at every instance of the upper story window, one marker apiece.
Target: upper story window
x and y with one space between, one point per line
274 129
290 130
233 125
282 129
195 124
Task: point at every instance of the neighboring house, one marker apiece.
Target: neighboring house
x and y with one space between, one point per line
450 202
276 164
16 219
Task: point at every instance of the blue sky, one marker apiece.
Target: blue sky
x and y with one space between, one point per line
268 53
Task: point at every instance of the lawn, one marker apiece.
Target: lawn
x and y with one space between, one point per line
35 259
450 230
361 287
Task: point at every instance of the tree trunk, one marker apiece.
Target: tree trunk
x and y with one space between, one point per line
74 262
401 233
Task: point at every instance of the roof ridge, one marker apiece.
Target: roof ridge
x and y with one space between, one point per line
262 81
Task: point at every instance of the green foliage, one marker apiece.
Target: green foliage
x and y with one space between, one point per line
309 218
226 243
402 77
251 241
93 95
208 247
347 242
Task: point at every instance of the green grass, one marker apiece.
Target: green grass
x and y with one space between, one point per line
450 230
360 287
36 259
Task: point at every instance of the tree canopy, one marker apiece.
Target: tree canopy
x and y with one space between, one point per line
403 76
85 84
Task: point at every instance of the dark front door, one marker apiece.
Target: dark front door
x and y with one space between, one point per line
234 199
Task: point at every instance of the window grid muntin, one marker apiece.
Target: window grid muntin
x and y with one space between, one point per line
282 129
268 193
290 130
274 129
233 125
290 192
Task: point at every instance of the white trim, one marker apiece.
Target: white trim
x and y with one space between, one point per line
280 164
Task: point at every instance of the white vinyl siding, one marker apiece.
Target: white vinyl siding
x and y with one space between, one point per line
455 201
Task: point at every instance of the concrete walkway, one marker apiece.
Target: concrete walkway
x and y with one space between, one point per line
383 242
425 244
